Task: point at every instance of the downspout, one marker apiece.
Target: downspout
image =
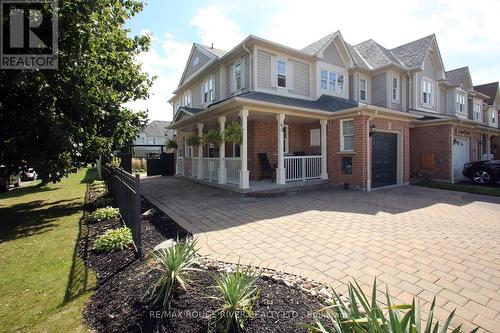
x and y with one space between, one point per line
251 63
368 152
451 153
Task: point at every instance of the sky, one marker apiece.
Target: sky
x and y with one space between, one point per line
466 31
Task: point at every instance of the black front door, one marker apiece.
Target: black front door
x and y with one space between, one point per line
384 159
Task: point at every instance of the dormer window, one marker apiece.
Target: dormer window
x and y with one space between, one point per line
395 89
237 76
362 90
426 92
282 73
460 102
476 111
208 91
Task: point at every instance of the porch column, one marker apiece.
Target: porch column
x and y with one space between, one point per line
280 172
488 144
244 174
324 166
222 152
200 151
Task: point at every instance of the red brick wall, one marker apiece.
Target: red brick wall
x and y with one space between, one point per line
495 146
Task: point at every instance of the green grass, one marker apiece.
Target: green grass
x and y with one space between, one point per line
44 284
469 188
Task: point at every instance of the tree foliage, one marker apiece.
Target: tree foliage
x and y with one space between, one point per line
51 118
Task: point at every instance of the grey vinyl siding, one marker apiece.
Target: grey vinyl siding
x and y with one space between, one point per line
217 92
429 69
301 78
264 69
228 79
443 101
379 89
351 88
331 55
196 95
203 59
247 72
404 93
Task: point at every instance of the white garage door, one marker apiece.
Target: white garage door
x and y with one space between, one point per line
461 151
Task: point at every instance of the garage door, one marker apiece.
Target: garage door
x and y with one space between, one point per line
384 159
460 155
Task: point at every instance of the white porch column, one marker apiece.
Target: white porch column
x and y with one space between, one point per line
244 174
222 152
488 144
280 172
324 164
200 151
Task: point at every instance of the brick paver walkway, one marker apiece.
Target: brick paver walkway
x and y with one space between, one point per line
418 241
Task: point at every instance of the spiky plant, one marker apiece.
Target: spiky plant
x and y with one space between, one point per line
174 264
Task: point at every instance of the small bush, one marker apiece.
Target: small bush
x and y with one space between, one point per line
113 240
102 214
236 296
97 183
102 202
174 264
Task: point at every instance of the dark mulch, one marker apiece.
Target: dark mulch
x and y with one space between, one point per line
121 302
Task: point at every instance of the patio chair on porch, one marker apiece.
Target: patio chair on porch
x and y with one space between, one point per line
267 171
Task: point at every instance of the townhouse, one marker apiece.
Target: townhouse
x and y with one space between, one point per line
354 115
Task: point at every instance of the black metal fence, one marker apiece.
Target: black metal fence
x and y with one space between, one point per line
125 189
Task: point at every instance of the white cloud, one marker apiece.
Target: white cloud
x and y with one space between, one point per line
213 26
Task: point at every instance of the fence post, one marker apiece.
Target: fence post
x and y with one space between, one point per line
303 168
137 217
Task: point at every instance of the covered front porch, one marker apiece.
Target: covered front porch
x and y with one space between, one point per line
279 149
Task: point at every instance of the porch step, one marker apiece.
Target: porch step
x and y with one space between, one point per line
289 188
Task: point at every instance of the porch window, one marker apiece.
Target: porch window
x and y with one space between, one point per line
208 91
187 99
395 89
426 92
362 90
285 138
282 73
347 135
460 102
236 150
477 111
237 76
211 150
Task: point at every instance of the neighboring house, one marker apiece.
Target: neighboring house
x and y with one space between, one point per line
492 112
155 133
329 111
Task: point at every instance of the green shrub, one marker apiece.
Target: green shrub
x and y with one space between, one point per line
193 140
363 316
113 240
102 202
174 264
212 137
171 144
104 213
233 133
236 296
97 182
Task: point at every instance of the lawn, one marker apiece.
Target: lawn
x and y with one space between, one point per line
462 187
43 283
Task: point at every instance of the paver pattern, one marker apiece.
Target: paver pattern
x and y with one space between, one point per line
418 241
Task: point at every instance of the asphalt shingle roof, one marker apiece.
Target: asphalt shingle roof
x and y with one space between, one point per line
457 76
358 60
376 55
317 45
489 89
156 128
413 54
216 52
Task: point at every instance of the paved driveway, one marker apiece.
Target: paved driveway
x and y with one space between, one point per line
418 241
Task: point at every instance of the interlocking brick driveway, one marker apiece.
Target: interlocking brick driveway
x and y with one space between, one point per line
418 241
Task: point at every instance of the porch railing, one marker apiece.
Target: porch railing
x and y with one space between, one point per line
188 166
180 165
302 167
210 168
233 167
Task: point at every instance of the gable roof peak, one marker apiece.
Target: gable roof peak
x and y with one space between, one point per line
316 46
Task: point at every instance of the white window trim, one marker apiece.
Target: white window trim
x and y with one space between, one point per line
342 134
365 90
460 94
339 87
286 138
431 100
278 60
209 91
315 133
187 97
398 89
241 76
474 105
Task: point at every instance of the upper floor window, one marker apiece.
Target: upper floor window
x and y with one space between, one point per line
362 89
347 135
187 99
208 91
282 73
426 92
237 76
331 81
476 111
460 102
395 89
493 112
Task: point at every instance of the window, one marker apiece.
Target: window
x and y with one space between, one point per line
237 76
347 135
282 73
315 137
362 90
493 116
426 92
395 89
187 99
460 102
285 138
477 111
196 61
331 81
346 165
208 91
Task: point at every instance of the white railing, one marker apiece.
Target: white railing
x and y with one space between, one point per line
188 166
487 156
302 167
210 168
194 167
233 167
180 165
